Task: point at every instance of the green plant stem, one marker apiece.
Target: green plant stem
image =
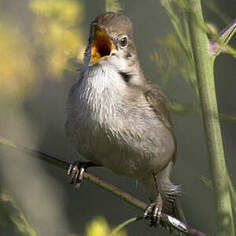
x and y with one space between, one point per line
124 224
14 215
194 110
205 76
177 26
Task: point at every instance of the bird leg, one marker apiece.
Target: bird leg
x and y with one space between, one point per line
76 171
155 207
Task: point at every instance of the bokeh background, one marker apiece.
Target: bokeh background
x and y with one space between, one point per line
41 46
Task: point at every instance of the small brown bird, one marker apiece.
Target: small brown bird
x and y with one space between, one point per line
118 119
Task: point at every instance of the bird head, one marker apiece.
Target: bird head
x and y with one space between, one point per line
111 41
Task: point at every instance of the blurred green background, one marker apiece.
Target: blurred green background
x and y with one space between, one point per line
41 46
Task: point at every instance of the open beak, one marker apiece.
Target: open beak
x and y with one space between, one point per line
102 45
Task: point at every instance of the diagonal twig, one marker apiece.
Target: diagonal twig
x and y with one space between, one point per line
167 219
218 43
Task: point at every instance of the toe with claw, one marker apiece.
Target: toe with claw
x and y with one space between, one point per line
76 173
153 211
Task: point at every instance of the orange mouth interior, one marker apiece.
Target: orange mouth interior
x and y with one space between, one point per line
102 45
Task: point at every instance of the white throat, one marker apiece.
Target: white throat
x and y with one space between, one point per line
101 91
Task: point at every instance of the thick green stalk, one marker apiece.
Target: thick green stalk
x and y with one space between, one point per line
205 76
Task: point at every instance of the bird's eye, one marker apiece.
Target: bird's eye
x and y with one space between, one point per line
123 41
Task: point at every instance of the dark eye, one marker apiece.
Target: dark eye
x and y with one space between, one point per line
123 41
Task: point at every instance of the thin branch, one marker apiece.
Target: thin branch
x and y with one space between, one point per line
35 153
194 110
208 183
166 219
219 43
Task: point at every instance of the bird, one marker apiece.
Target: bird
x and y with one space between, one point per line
117 118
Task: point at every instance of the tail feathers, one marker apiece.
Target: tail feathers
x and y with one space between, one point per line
173 208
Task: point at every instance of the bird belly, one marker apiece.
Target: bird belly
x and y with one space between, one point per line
125 153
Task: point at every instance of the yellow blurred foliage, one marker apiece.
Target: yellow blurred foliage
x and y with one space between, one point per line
54 40
61 44
16 66
99 227
67 11
172 48
58 33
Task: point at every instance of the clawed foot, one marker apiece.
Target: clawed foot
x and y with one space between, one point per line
76 172
153 211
